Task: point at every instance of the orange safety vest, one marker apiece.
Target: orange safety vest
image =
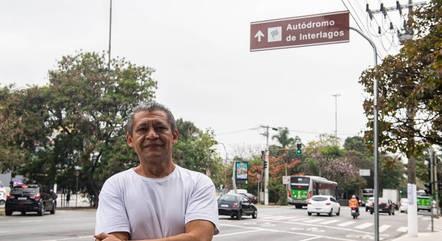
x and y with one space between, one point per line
353 203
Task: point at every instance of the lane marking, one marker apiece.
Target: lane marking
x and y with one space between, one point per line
346 224
382 228
364 225
317 220
402 229
236 233
283 231
330 221
307 239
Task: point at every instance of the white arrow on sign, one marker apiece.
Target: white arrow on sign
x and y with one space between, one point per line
259 35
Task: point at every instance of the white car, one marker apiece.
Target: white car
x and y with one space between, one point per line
323 204
2 196
403 205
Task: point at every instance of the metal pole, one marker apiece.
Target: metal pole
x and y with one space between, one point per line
375 140
233 176
76 191
110 36
266 171
336 114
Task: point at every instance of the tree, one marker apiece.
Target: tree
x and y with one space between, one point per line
410 87
23 124
195 150
88 105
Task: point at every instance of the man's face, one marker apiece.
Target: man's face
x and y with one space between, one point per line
152 137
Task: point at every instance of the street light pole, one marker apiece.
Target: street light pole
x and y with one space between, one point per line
110 35
336 114
375 140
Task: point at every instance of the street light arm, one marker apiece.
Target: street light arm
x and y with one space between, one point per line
371 43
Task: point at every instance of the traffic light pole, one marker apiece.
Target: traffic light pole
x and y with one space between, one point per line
375 140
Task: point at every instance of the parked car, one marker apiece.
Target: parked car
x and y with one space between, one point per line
403 208
30 198
323 204
384 206
236 205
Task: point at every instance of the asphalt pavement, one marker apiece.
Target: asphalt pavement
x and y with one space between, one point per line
274 223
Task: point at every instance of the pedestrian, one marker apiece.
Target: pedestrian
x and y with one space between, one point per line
157 198
68 198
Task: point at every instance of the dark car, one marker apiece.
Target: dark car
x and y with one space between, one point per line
384 206
30 198
236 205
251 197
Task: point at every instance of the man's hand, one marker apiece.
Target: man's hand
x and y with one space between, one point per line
108 237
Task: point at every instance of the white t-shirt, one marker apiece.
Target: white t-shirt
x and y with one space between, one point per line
150 208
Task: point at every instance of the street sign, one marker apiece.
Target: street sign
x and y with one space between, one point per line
364 172
285 180
327 28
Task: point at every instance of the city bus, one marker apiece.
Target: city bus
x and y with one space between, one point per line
302 188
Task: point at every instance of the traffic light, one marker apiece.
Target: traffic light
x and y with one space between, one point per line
428 188
298 151
263 158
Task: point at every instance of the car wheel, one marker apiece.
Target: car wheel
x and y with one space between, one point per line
317 214
389 212
8 212
255 214
392 212
53 209
309 213
330 213
239 215
41 212
339 212
23 213
371 212
2 202
232 216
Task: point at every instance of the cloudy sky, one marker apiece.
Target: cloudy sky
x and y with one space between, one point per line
200 50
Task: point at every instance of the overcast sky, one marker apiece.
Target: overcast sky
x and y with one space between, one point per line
200 50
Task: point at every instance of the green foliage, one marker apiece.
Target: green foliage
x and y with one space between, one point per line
76 125
410 89
392 174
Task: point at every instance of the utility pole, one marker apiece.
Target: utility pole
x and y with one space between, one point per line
266 170
110 36
336 114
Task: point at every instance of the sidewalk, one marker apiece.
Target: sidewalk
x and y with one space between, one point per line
427 236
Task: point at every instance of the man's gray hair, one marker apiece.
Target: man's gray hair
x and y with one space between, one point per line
150 106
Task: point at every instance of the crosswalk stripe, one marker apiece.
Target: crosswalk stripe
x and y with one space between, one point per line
330 221
364 225
346 224
382 228
316 220
299 219
402 229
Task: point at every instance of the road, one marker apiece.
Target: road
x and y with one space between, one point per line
273 224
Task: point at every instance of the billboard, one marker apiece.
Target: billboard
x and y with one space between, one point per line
241 170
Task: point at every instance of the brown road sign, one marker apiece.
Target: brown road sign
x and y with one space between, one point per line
327 28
